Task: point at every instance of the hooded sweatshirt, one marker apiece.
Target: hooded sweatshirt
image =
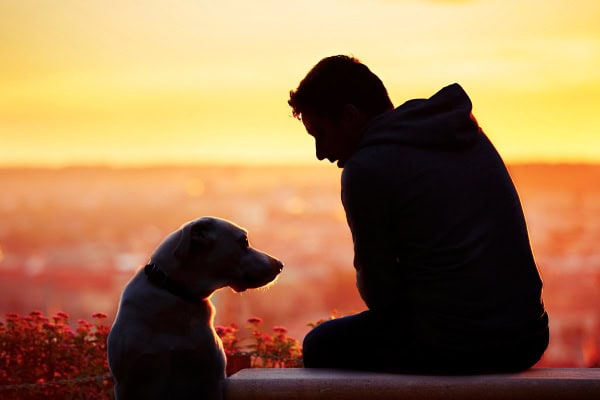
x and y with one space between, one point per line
439 234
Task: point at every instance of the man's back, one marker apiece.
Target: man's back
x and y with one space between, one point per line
439 230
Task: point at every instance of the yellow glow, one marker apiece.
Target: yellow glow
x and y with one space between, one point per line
195 187
130 82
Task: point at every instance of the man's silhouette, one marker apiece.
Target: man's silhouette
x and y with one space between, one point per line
442 253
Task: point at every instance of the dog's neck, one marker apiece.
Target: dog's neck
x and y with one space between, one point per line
160 278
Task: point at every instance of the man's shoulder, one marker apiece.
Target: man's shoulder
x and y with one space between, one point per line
374 169
374 157
360 166
382 161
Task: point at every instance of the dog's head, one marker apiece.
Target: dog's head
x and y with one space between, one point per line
209 253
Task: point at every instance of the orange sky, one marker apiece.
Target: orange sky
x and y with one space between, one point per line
137 82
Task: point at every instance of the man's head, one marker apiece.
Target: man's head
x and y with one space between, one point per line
335 100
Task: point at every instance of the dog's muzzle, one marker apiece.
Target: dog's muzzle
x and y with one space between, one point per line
253 280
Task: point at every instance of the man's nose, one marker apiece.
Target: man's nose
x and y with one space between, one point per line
320 153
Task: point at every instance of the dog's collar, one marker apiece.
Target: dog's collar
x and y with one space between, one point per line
158 277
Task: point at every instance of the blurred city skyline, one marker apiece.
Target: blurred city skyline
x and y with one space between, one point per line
71 238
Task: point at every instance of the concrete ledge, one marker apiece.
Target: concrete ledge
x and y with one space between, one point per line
317 384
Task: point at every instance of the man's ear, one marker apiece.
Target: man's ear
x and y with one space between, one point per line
353 117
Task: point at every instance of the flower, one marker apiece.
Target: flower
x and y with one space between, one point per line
280 329
221 330
12 316
38 350
35 349
99 315
60 318
333 315
278 351
255 320
62 315
228 337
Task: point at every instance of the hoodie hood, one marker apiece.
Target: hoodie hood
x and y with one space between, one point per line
444 121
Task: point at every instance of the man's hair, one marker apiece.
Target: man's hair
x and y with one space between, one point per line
335 82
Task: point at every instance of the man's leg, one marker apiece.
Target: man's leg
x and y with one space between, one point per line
367 341
379 341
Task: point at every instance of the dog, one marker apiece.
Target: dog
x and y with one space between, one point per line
163 344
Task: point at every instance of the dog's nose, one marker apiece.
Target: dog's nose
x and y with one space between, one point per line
278 265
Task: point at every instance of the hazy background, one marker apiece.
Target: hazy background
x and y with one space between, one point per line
71 238
124 87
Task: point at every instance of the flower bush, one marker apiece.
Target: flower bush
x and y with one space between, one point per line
43 357
275 350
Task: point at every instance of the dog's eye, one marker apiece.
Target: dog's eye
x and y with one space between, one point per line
244 242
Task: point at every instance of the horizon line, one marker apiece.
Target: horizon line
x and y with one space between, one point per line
245 164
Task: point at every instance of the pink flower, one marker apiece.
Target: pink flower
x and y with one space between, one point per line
280 329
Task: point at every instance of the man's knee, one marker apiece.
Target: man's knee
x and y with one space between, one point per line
311 348
324 345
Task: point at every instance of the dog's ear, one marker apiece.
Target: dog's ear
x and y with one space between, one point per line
197 235
202 233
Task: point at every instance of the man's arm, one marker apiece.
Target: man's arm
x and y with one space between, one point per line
366 200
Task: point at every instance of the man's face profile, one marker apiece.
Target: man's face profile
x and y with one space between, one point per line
331 139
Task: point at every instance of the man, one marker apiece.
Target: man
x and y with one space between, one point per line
441 249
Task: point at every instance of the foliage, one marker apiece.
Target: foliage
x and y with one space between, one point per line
276 350
45 358
333 315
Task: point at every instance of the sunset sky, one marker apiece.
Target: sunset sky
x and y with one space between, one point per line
138 82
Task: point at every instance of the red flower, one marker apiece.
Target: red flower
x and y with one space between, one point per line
280 329
99 315
12 316
35 350
62 314
221 330
255 320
